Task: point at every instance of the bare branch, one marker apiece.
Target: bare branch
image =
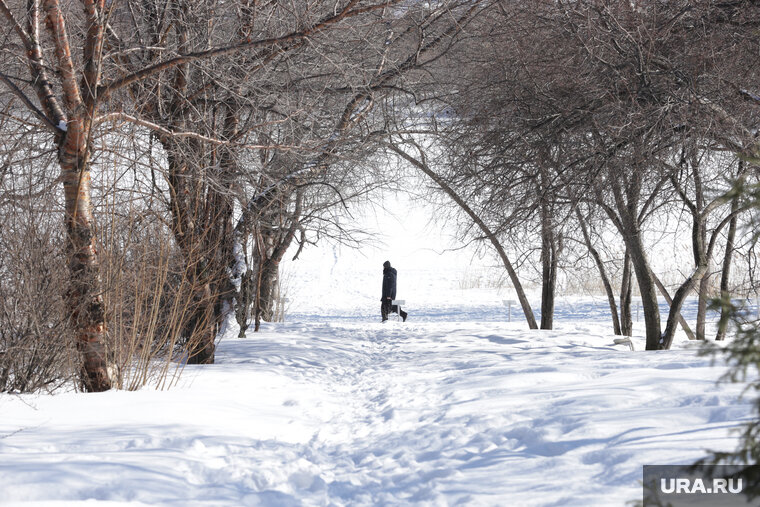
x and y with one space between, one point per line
183 134
28 103
271 45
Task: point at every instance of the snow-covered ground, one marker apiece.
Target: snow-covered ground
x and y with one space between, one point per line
454 407
352 413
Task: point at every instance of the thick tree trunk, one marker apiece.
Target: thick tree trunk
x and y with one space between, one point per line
548 253
190 233
201 211
627 192
548 286
201 327
272 241
646 289
85 293
270 255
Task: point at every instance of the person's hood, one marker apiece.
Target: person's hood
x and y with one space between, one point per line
386 264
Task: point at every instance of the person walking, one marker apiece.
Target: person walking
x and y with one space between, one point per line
389 293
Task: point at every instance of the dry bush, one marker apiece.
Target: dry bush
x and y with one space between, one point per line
37 352
150 300
36 345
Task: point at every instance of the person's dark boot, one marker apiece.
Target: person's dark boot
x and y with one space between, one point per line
403 315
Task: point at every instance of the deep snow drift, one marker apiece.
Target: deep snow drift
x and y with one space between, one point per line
455 406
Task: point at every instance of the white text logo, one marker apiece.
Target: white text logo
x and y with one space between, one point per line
678 486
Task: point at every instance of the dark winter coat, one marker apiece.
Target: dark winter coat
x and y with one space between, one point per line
389 283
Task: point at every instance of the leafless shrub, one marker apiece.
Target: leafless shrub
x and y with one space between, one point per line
151 299
36 347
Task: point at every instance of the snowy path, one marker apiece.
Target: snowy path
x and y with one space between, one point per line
366 414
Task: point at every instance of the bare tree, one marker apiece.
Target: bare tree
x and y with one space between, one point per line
420 161
73 96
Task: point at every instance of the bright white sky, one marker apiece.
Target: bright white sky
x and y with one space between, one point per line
426 255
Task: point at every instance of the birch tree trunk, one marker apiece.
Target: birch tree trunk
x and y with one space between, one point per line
85 293
84 296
